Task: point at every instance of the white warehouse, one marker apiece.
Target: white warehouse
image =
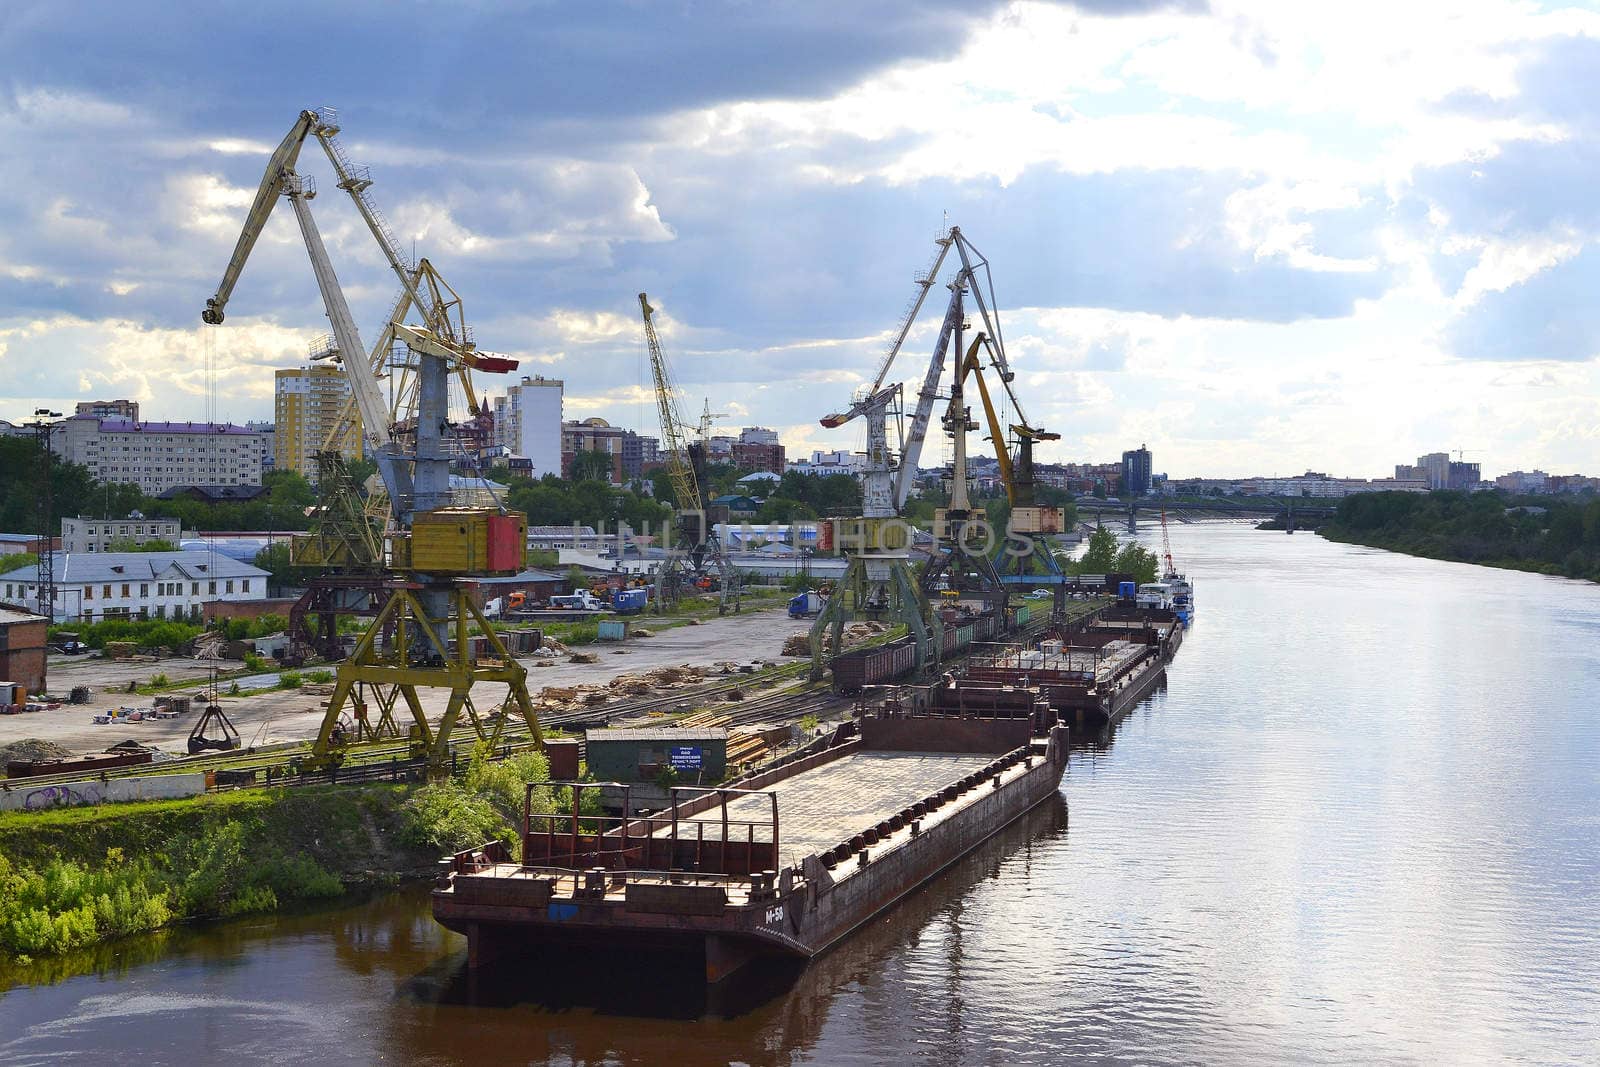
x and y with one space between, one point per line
93 586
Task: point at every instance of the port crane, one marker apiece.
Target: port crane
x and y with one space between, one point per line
696 559
431 546
878 580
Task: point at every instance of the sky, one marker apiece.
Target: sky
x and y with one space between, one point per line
1257 236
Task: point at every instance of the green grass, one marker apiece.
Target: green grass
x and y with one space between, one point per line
74 878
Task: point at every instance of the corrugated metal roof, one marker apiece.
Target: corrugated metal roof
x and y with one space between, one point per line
73 568
663 733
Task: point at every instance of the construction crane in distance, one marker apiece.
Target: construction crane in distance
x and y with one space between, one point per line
696 558
433 546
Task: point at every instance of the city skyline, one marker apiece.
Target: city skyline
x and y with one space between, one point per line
1341 255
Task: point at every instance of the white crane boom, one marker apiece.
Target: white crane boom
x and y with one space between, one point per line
280 166
926 396
375 428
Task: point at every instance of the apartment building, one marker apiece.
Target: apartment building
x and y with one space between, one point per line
98 535
156 456
308 403
527 422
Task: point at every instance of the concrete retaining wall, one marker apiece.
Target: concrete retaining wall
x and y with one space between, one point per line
20 796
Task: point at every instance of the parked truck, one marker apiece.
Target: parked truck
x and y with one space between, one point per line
806 604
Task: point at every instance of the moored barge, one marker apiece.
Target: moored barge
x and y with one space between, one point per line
1090 674
784 863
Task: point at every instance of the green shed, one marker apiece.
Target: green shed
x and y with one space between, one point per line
698 755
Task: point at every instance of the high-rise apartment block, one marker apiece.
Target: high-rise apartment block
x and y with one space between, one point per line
157 456
309 402
1136 472
527 422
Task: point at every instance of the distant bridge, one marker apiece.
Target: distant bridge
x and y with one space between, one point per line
1290 510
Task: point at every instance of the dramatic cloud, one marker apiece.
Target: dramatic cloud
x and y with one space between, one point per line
1257 236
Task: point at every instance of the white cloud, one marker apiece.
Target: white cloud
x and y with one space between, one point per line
1504 263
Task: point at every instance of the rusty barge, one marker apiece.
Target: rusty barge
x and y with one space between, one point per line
784 863
1091 674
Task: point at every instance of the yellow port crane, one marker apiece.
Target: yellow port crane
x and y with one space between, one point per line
696 559
420 637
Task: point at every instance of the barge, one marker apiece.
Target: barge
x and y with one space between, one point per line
1091 674
784 863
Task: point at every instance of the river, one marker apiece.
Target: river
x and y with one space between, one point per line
1361 823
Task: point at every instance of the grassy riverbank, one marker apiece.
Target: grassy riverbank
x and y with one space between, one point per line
73 878
1546 535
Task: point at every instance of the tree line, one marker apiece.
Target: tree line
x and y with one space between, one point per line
1548 534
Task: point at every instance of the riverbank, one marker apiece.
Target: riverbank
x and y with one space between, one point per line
75 878
1540 535
1446 550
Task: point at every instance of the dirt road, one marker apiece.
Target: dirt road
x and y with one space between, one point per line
288 715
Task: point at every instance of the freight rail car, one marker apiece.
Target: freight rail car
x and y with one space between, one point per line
895 660
98 761
873 666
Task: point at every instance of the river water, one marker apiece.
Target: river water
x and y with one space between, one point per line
1360 824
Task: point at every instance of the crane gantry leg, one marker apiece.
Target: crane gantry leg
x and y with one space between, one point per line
418 659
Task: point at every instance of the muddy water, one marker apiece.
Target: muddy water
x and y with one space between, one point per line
1360 824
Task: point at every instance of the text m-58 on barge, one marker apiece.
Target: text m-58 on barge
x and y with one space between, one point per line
785 863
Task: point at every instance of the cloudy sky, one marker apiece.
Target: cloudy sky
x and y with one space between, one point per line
1260 236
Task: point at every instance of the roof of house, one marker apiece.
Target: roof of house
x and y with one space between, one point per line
74 568
111 425
214 492
732 499
18 539
660 733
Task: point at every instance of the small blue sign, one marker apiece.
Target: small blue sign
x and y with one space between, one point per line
686 758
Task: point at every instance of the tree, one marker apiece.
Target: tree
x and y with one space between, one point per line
1101 555
360 470
288 489
589 465
16 561
1138 561
274 559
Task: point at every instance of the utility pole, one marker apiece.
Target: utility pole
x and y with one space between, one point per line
47 554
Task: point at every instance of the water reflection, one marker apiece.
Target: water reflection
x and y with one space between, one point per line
1359 825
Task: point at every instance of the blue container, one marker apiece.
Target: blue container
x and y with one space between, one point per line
630 601
612 629
1127 590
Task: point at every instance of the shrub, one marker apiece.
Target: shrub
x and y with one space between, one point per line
319 676
158 680
289 680
254 662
